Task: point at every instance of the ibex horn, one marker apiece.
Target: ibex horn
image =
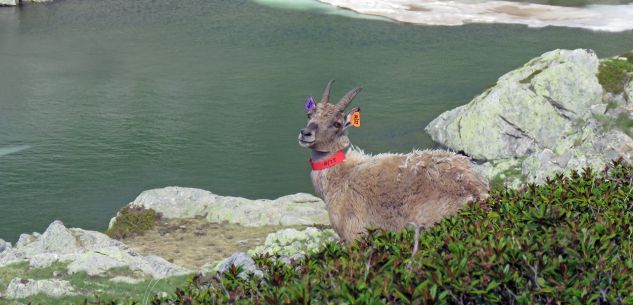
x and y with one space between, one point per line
344 102
326 93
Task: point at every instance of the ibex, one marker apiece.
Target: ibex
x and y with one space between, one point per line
387 190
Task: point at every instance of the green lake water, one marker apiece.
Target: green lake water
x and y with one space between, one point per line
102 99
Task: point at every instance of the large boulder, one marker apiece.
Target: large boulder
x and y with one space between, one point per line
22 288
550 115
529 108
84 251
182 202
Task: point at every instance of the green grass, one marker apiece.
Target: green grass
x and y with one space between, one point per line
614 74
133 221
568 241
22 270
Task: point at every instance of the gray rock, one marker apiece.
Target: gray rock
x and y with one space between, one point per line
507 120
548 116
240 259
176 202
298 209
23 288
100 261
181 202
56 239
85 251
290 242
4 245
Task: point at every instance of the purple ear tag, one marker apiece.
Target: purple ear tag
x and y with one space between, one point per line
310 104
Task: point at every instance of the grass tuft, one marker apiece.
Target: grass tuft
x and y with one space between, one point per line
614 74
133 221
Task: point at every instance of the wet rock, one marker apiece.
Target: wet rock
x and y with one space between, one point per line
22 288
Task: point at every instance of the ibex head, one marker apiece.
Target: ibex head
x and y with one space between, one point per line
327 122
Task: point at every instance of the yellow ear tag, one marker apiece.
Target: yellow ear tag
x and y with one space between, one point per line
355 119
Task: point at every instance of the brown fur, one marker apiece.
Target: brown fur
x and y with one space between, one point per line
388 190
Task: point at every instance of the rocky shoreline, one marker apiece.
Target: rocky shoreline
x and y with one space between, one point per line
18 2
563 110
188 239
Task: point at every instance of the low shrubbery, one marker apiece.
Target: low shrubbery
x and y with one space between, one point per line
568 241
133 221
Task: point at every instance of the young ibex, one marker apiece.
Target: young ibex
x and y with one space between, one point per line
387 190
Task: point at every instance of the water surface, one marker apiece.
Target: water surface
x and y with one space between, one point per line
102 99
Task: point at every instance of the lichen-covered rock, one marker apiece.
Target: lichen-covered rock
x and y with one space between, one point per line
181 202
529 108
240 259
176 202
289 242
551 115
84 251
298 209
22 288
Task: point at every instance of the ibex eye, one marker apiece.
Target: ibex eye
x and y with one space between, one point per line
337 124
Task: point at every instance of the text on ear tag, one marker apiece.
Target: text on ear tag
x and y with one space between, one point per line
355 119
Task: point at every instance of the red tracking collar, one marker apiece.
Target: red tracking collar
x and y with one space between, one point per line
329 162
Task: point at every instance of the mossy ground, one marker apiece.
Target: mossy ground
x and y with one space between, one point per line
614 74
565 242
194 242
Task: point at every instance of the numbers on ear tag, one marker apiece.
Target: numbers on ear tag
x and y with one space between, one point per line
355 119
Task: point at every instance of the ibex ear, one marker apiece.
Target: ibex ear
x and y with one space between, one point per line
353 118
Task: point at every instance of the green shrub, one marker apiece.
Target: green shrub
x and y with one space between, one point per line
565 242
629 56
614 74
133 221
